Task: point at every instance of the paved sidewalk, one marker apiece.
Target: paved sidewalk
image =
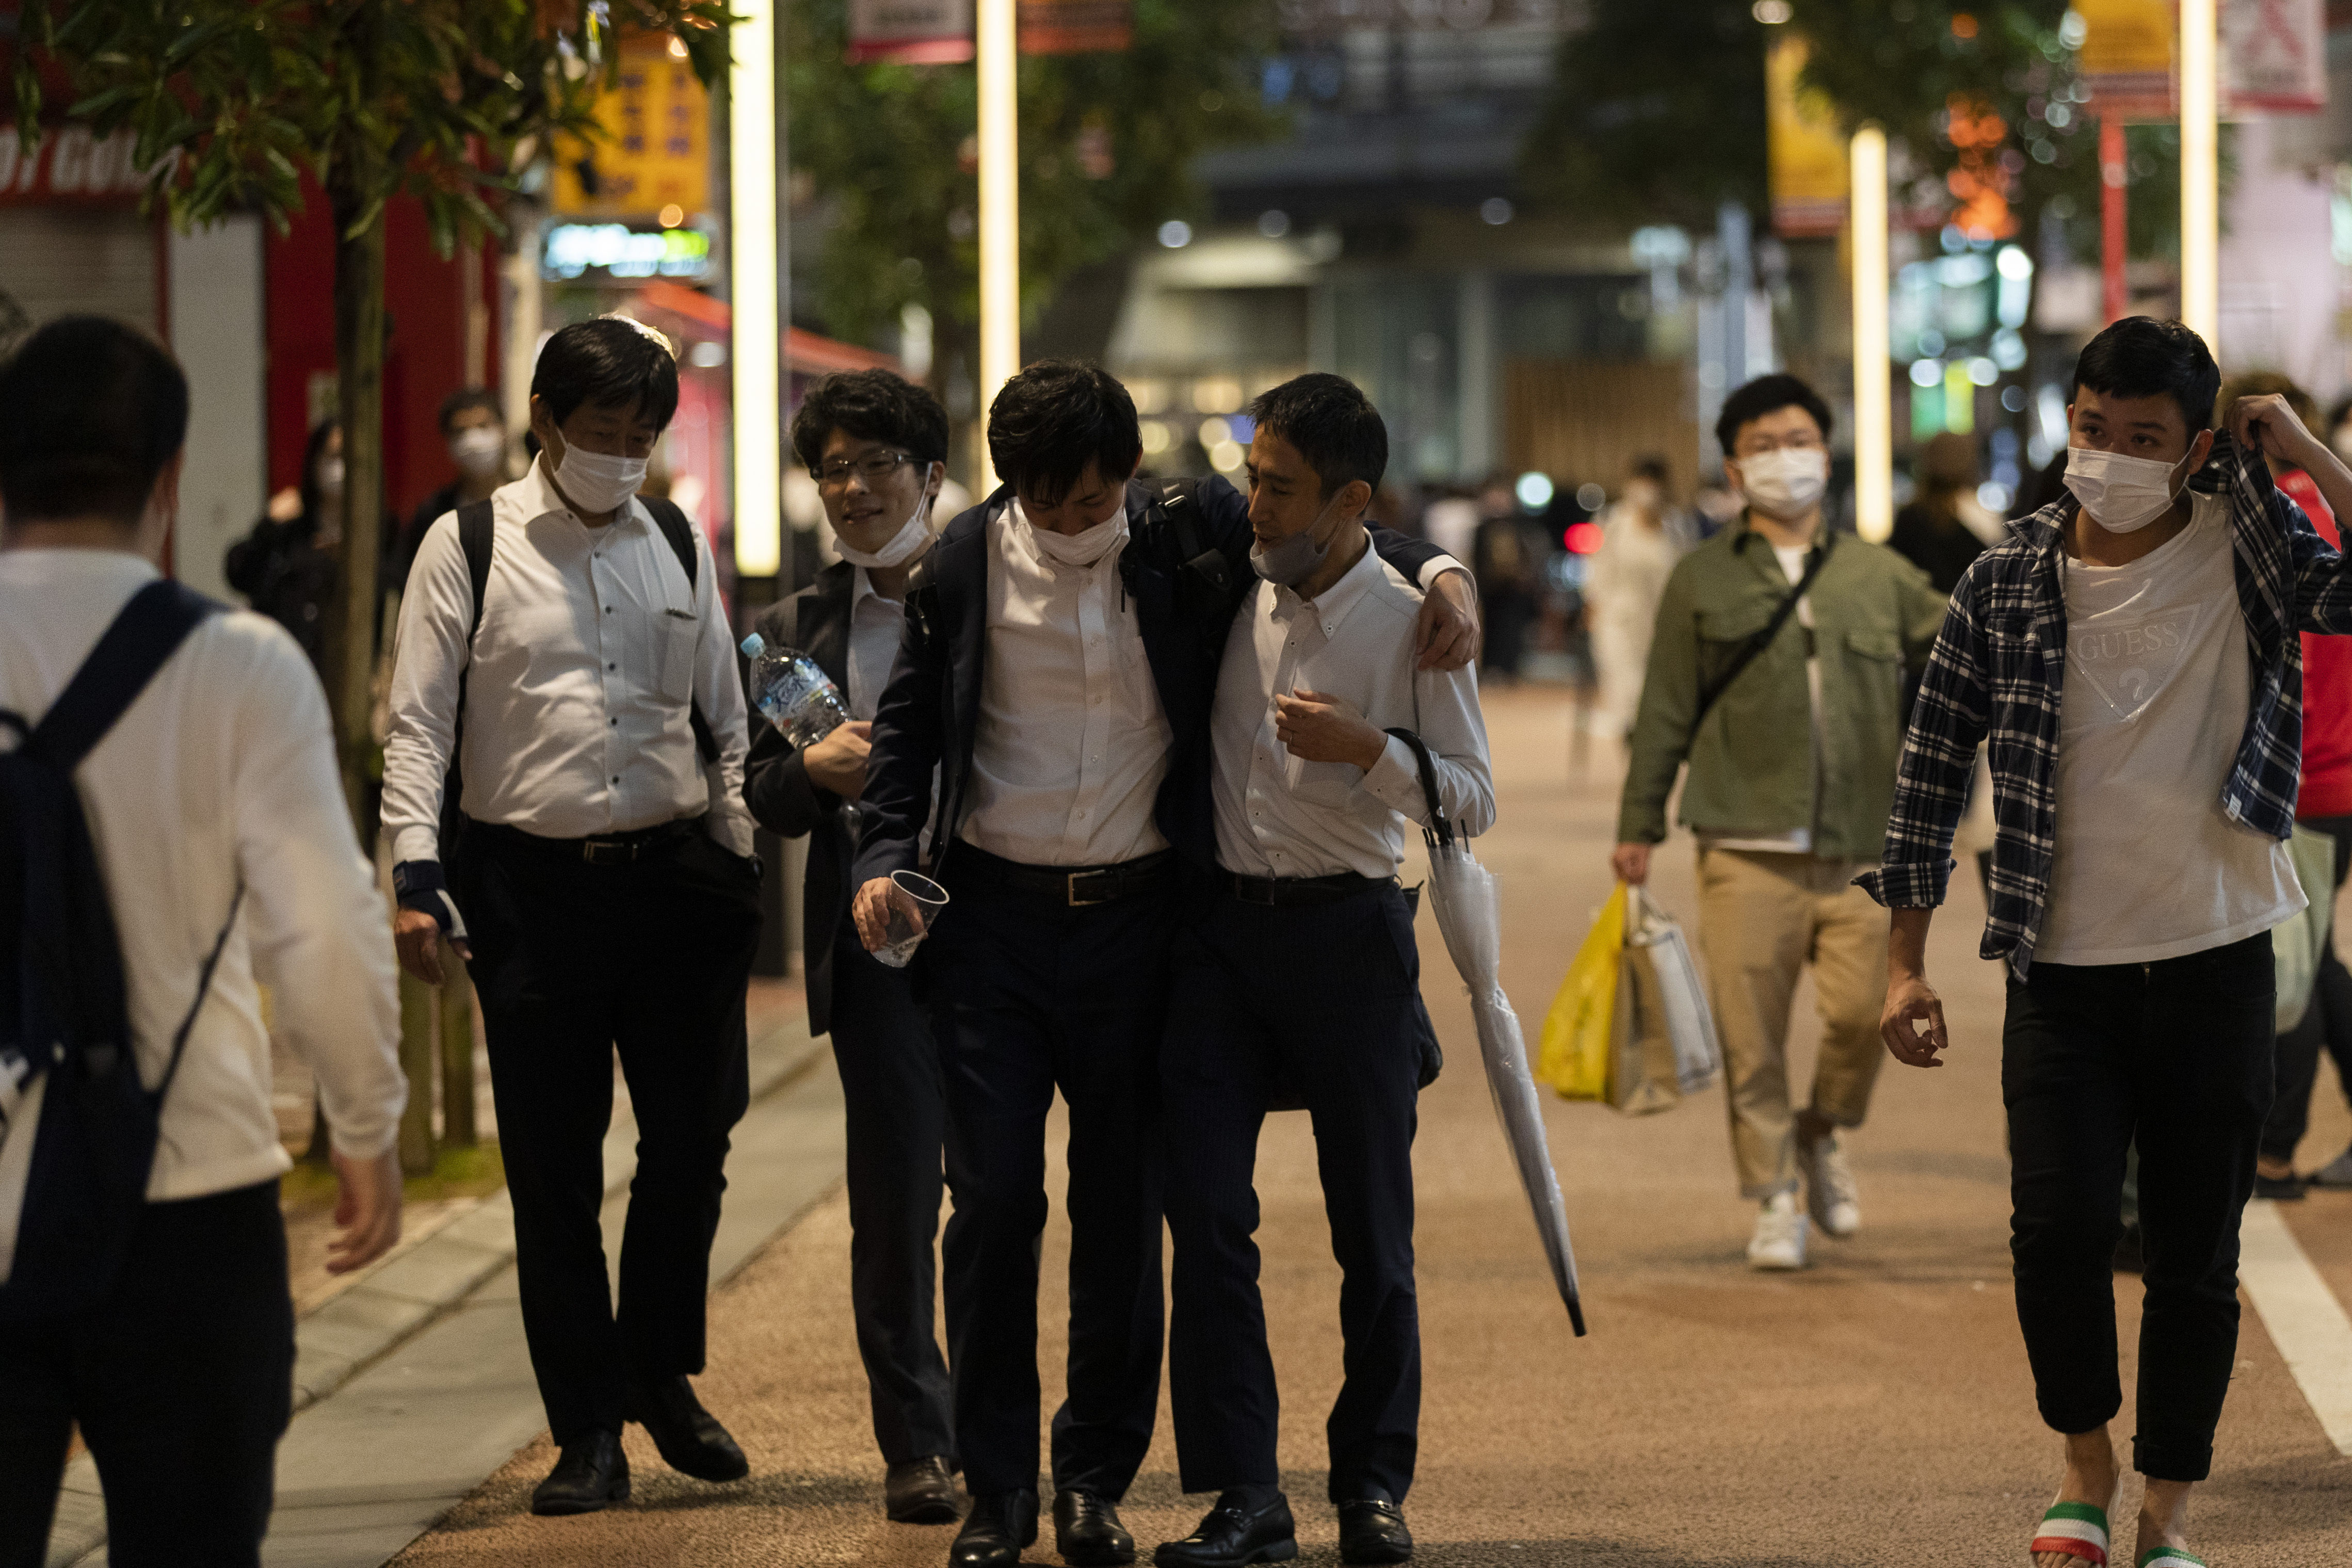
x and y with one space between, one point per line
1873 1410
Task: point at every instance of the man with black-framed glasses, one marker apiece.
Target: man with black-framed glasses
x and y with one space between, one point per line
878 447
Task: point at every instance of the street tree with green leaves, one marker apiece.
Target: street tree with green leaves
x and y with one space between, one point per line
1106 146
235 102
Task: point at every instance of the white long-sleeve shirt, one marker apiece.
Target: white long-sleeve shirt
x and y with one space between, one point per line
1280 815
592 649
222 771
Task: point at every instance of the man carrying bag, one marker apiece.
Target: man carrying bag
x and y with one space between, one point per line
1800 638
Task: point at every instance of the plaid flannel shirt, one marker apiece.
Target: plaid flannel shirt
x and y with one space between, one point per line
1999 671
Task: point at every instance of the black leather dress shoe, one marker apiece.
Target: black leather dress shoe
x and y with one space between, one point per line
995 1530
589 1475
920 1492
691 1438
1371 1530
1087 1533
1232 1537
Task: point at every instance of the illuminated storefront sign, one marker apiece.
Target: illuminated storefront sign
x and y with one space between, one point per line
576 250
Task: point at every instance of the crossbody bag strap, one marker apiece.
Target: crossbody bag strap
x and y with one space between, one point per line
204 986
1755 645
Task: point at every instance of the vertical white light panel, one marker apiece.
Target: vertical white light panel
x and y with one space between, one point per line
998 54
752 267
2201 195
1873 432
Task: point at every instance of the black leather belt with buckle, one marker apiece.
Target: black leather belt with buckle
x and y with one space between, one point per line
1298 892
1079 887
605 848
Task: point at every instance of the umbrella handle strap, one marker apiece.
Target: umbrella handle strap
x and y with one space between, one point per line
1438 827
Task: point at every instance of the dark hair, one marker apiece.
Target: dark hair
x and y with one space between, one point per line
872 405
2142 357
2260 384
1653 469
1054 418
1768 394
313 450
91 412
611 362
464 398
1333 424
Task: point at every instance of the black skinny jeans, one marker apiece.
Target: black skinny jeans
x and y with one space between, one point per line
2177 1055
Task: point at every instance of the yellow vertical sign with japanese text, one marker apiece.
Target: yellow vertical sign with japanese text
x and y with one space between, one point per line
1810 175
655 152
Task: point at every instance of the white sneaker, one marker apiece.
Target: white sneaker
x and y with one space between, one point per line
1780 1239
1830 1192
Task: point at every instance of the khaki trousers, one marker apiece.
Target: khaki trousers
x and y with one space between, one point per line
1761 918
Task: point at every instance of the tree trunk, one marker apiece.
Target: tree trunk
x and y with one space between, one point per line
359 366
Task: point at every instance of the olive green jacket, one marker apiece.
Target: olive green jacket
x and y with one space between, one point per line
1751 760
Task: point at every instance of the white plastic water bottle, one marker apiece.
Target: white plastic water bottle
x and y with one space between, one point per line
798 698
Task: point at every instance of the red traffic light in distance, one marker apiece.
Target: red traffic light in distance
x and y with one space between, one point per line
1581 539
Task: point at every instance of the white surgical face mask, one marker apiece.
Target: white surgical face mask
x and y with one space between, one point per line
330 476
1079 550
597 483
1787 482
2122 494
902 544
477 451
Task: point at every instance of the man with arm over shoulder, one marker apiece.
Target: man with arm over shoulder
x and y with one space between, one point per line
877 446
1057 674
572 635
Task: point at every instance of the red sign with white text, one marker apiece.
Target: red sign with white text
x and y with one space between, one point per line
69 165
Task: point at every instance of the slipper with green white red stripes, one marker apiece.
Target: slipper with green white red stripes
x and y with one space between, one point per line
2171 1557
2077 1529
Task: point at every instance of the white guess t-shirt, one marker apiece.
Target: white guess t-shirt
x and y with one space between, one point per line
2158 677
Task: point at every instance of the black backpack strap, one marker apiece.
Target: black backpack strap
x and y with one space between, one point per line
1439 828
679 531
146 633
1755 645
478 534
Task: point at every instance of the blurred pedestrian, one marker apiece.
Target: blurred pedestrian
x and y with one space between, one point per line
1508 561
475 429
287 566
1061 654
878 447
197 745
574 635
1297 966
1777 673
2146 785
2324 803
1945 527
1623 585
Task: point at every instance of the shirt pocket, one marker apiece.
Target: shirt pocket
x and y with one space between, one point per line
678 638
1320 783
1873 644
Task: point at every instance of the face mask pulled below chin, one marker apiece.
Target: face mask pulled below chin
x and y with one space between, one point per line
597 483
2122 494
898 550
1787 482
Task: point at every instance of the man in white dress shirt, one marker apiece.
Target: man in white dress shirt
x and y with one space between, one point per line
1060 658
1298 971
219 826
602 887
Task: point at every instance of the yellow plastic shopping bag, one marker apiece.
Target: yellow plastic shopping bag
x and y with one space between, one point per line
1574 1055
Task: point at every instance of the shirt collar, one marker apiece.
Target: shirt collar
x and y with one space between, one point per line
58 563
1332 606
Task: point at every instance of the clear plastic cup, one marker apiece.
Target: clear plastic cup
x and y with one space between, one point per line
915 902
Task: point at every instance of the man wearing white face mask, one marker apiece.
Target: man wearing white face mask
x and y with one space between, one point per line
475 429
565 641
878 448
2131 655
1776 671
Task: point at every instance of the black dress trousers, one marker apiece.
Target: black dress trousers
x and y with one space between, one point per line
1031 995
890 1092
182 1382
1322 999
572 961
